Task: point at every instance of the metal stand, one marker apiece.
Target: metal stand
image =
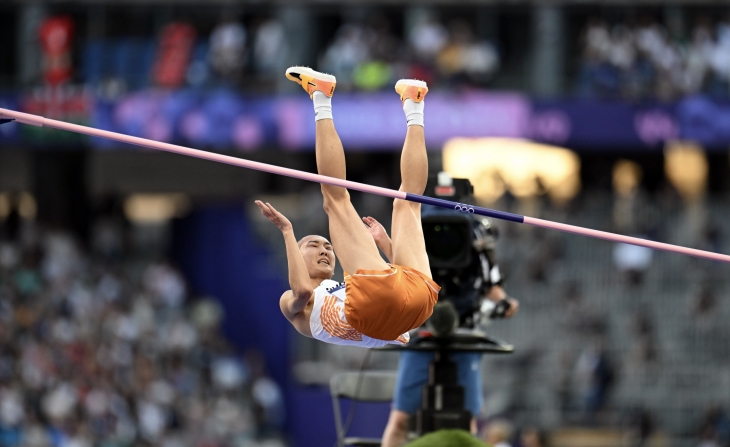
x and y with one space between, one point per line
442 406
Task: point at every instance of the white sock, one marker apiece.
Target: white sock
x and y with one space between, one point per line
414 112
322 106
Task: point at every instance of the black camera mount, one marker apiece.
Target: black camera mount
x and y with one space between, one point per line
442 405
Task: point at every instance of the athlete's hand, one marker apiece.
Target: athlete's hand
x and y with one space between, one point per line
376 230
278 219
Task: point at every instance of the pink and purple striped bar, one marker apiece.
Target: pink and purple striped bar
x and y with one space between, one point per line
35 120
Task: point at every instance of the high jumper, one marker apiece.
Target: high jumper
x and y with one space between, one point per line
379 302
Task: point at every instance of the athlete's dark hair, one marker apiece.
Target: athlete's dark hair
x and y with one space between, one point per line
301 241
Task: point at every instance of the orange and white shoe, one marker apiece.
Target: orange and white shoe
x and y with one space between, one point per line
411 89
312 81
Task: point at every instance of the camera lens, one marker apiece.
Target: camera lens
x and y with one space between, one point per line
446 242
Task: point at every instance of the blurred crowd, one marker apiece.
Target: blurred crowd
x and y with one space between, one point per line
364 54
683 53
179 56
368 56
103 350
621 330
655 60
236 51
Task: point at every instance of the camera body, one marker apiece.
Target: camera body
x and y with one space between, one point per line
460 249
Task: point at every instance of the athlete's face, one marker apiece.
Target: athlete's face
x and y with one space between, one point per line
318 256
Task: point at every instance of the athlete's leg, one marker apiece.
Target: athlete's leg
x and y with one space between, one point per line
353 244
409 248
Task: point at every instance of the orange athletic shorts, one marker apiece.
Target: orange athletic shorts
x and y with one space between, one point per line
384 304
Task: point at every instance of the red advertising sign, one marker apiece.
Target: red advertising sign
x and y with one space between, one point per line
173 56
55 35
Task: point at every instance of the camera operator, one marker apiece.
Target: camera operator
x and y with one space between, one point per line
413 375
471 295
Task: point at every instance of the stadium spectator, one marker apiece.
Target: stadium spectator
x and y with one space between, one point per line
370 57
596 377
385 53
714 429
712 236
228 49
533 437
643 353
427 38
703 304
270 51
578 318
348 50
498 433
464 59
96 352
543 255
650 60
638 427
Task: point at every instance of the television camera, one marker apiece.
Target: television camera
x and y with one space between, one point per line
460 249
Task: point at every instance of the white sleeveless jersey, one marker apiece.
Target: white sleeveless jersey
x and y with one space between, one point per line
328 322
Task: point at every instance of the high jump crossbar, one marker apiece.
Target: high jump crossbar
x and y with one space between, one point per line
35 120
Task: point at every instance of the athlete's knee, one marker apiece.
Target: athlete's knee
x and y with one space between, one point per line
414 186
334 198
401 204
405 205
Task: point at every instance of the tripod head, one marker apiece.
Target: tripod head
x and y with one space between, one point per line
461 340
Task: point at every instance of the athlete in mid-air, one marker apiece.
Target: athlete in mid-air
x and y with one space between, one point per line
379 301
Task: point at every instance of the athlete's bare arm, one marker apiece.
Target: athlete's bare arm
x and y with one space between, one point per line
382 240
295 300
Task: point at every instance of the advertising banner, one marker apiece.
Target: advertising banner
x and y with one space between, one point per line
219 120
56 35
376 121
603 125
66 103
225 120
706 121
173 55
